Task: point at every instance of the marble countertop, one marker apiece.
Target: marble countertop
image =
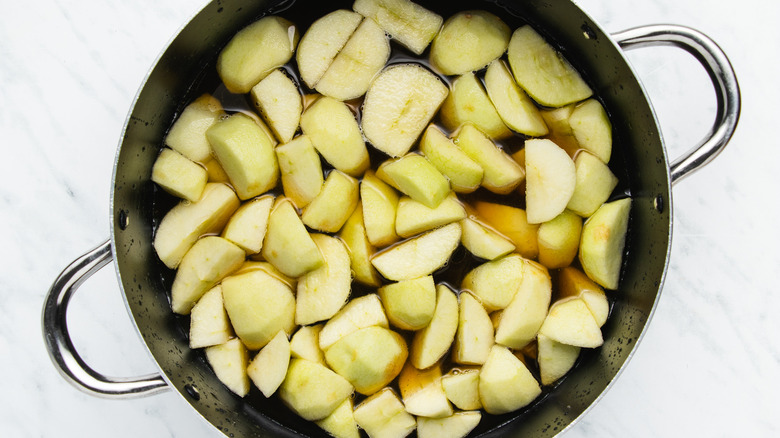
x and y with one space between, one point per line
709 364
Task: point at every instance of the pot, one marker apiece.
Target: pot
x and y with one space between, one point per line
639 160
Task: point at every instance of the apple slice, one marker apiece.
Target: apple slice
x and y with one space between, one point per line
187 136
416 177
409 304
468 102
559 240
279 102
484 242
255 51
358 313
468 41
418 256
353 233
502 173
405 21
505 384
516 109
595 183
461 385
380 202
178 175
512 222
209 323
399 104
254 265
215 171
305 344
592 129
603 240
288 245
457 425
475 332
269 367
413 217
555 359
571 322
368 358
521 319
301 170
181 227
247 227
550 180
323 291
422 392
259 306
543 72
496 282
464 174
334 132
209 260
361 58
341 422
432 342
574 283
229 362
383 416
322 42
312 390
557 120
331 208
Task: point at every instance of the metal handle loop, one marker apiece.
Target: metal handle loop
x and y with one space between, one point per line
61 349
723 79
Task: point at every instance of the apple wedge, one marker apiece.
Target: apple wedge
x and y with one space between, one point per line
305 344
254 265
341 422
542 71
468 41
557 120
559 240
209 323
215 171
550 180
571 322
410 24
465 174
512 222
383 416
574 283
418 256
331 208
502 173
279 102
484 242
247 227
322 41
229 362
416 177
353 233
595 183
602 242
475 332
178 175
312 390
323 291
461 385
496 282
555 359
269 367
592 129
468 102
409 304
505 384
457 425
422 392
255 51
358 313
380 202
399 104
516 109
413 217
521 319
301 170
288 245
432 342
187 136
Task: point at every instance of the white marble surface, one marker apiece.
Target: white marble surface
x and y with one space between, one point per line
709 364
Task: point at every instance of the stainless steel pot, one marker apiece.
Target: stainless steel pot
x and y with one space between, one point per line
639 159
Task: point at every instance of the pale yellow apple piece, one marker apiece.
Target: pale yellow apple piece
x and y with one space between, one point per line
484 242
521 319
331 208
399 104
557 120
358 313
288 245
341 422
301 170
178 175
433 341
468 102
516 109
269 367
323 291
383 416
496 282
187 221
322 42
279 102
543 72
246 153
465 174
512 222
592 129
422 392
253 265
469 41
555 359
418 256
358 62
475 332
505 384
574 283
603 240
382 175
259 306
312 390
380 202
209 260
413 217
353 233
461 385
215 171
334 132
305 344
187 136
571 322
502 173
550 180
595 183
229 362
409 304
255 51
368 358
457 425
209 323
410 24
247 227
416 177
559 239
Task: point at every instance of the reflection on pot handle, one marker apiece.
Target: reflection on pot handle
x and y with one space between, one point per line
58 343
723 79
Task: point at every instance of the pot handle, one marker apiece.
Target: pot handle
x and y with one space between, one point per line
61 350
723 79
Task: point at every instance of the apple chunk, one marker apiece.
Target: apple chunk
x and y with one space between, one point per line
574 283
353 233
305 344
331 208
571 322
269 367
413 217
521 319
405 21
484 242
178 175
380 202
279 101
505 384
383 416
209 323
301 170
416 177
418 256
341 422
322 42
457 425
591 127
502 173
432 342
247 227
475 332
323 291
409 303
550 180
422 392
516 109
187 136
468 102
229 362
469 41
288 245
312 390
462 387
559 240
555 359
512 222
595 182
495 282
603 240
464 174
358 313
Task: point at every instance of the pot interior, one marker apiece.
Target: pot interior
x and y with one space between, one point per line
186 69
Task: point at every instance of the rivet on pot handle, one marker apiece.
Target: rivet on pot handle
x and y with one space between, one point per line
723 79
58 343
